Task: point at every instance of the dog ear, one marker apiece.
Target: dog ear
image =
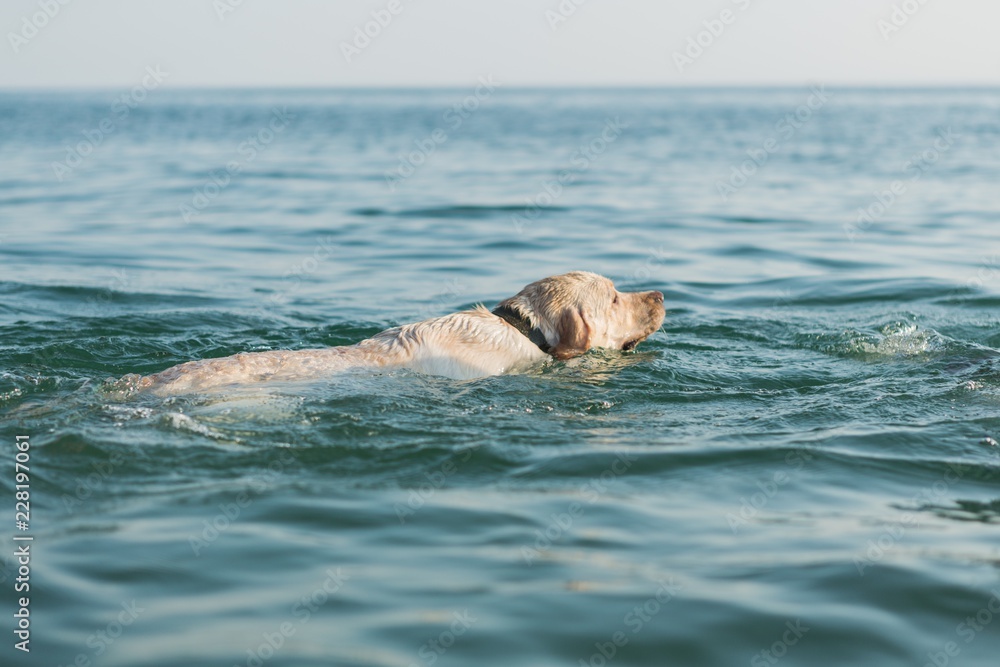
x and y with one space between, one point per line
574 335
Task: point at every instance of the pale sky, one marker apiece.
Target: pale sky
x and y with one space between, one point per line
261 43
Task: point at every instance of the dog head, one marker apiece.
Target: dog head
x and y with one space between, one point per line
578 311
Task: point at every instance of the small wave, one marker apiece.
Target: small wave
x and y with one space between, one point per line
852 292
120 389
458 211
45 197
297 175
182 422
125 413
967 510
76 298
754 220
896 340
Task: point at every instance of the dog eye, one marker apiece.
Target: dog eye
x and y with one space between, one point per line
615 300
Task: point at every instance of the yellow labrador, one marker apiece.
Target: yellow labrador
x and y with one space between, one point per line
558 317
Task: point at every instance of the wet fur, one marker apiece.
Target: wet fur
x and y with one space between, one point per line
575 312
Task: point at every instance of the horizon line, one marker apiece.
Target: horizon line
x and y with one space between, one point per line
894 86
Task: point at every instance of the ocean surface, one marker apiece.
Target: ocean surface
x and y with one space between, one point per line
800 468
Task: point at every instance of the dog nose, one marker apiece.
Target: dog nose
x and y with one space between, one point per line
657 296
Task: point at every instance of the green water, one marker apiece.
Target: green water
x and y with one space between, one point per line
800 468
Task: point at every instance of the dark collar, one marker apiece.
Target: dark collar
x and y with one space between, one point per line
520 322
